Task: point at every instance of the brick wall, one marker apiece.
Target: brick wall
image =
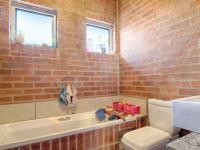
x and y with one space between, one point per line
160 48
159 57
30 73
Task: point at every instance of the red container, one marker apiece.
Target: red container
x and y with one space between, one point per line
118 106
137 109
115 105
131 109
126 108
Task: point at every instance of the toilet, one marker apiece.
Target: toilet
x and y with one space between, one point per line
158 134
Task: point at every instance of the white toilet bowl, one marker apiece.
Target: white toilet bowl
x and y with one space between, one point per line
158 134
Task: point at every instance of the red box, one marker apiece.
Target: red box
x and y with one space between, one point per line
118 106
137 109
126 108
131 109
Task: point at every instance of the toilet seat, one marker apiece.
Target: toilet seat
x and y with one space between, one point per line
145 138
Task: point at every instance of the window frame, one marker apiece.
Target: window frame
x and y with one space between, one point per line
105 26
35 9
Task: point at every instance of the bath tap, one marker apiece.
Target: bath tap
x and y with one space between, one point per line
69 109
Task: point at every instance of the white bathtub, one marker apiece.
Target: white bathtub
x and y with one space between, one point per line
33 131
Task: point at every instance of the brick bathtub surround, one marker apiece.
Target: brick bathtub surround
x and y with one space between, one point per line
160 48
31 73
101 139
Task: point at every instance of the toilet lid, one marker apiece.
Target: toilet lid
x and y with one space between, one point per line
145 138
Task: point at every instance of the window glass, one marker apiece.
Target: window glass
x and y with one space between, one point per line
98 39
36 28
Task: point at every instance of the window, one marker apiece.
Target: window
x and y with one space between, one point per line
99 38
37 25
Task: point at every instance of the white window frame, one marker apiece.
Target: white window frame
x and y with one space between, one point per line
31 8
102 25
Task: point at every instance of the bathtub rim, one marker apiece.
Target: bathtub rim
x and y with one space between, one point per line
63 133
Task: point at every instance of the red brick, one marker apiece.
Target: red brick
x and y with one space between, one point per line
22 72
106 135
42 96
116 135
23 98
189 92
64 143
23 85
94 139
5 72
32 91
111 134
72 142
80 141
26 147
5 99
196 84
32 78
60 73
51 90
55 144
13 148
89 84
35 146
100 137
42 72
42 85
12 92
88 140
5 85
11 78
45 145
